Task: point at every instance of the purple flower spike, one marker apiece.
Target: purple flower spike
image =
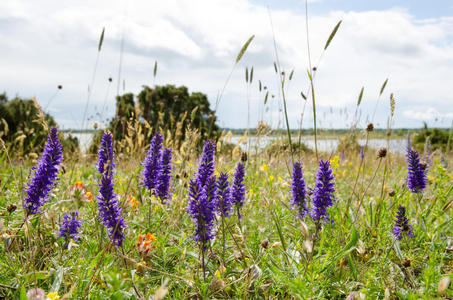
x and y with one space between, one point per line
362 153
206 168
323 192
416 178
109 209
44 174
152 163
224 195
299 190
402 224
202 210
203 196
69 227
163 179
238 188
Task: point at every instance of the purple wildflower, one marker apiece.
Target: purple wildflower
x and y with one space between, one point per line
152 163
323 192
402 224
202 210
69 227
203 195
362 153
206 168
224 195
238 188
44 174
163 178
105 154
109 209
416 178
342 156
298 190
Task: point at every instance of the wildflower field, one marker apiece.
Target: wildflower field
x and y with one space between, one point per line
163 204
184 224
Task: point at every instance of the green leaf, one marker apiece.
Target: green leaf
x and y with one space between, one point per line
101 39
58 279
383 86
346 249
251 75
155 69
23 293
265 97
31 277
334 31
360 96
244 48
246 74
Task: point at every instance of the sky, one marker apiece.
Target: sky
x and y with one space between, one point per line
195 43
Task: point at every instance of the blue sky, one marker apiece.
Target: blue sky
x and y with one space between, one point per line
195 43
418 8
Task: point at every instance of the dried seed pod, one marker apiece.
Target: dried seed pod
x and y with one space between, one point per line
244 157
406 262
370 127
382 153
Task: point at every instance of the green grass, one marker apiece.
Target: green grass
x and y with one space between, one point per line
266 258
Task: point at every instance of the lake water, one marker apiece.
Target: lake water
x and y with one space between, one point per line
325 145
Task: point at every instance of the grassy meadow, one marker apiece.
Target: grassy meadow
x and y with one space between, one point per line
269 254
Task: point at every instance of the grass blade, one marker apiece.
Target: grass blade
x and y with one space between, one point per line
101 39
244 48
383 86
332 34
360 97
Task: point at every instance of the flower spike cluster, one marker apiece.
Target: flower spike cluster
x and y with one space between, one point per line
69 227
323 192
402 224
203 196
44 174
157 168
238 188
152 162
416 177
109 209
298 190
224 195
163 178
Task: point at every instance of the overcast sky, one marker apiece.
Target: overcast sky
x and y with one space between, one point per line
46 43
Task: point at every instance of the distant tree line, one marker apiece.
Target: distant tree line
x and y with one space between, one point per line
168 109
23 126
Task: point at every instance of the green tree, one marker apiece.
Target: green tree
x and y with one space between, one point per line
22 126
165 106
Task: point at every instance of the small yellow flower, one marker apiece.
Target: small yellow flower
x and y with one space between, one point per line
264 168
251 193
280 179
335 162
271 178
53 295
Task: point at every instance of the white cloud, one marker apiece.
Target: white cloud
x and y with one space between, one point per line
426 113
196 42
